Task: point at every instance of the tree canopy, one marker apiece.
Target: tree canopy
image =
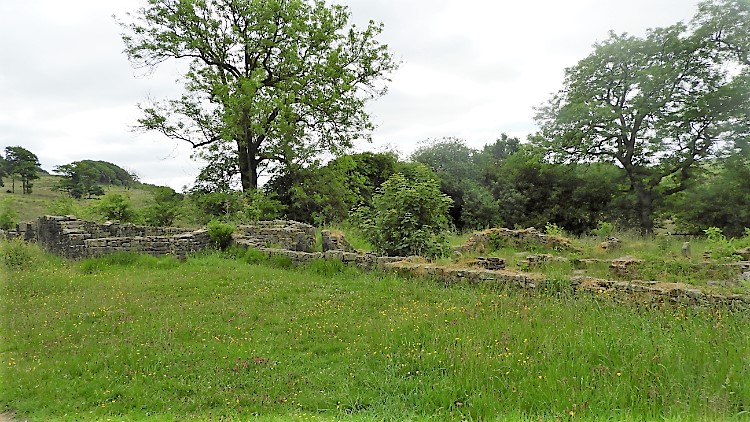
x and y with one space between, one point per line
281 80
23 164
658 105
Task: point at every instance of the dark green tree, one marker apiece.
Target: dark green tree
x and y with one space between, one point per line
276 79
457 167
656 106
23 164
79 179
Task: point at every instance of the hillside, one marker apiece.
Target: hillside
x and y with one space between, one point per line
38 203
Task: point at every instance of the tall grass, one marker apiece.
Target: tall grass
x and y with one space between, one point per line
217 338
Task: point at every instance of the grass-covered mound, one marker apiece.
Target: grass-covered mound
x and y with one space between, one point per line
130 338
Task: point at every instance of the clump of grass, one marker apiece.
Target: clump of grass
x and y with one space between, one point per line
126 259
18 255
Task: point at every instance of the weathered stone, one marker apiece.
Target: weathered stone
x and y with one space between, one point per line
335 241
686 249
611 243
489 263
744 253
623 266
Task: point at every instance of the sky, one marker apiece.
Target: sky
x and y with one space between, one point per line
471 69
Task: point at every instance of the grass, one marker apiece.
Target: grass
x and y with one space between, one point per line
44 195
129 337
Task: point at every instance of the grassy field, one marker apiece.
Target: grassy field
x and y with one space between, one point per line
215 337
44 195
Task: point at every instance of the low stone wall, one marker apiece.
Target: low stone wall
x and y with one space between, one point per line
74 239
486 239
290 235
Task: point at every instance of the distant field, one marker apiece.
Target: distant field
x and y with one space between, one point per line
216 338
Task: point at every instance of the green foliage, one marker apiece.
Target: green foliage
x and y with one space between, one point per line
407 217
721 246
299 87
8 214
220 233
719 198
164 208
322 195
17 255
86 177
115 206
22 163
603 229
260 206
553 229
657 106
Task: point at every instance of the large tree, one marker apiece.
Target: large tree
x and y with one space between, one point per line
279 79
658 105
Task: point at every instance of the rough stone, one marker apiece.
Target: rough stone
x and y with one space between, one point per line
335 241
623 266
610 243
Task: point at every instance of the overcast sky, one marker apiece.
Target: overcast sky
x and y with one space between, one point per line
472 69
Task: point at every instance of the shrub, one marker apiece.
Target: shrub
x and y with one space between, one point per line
220 233
407 217
62 206
17 255
115 206
8 215
603 229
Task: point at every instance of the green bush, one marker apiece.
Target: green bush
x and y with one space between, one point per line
407 217
220 233
17 255
603 229
115 206
8 215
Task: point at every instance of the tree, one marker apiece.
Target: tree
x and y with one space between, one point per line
656 106
457 167
3 169
23 164
278 79
78 179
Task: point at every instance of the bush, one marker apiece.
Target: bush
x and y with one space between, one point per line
8 215
603 229
220 233
115 206
407 217
17 255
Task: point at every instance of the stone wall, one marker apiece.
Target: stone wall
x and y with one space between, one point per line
72 238
290 235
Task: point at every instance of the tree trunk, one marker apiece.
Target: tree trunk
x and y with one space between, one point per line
645 207
248 165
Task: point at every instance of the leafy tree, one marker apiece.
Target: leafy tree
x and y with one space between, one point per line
407 217
278 80
164 208
656 106
326 194
79 178
456 165
23 164
115 206
721 200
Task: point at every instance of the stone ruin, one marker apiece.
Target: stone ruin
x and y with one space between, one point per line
72 238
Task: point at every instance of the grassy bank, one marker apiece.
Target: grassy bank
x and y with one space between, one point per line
132 338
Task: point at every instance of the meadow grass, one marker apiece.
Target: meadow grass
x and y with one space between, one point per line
130 337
